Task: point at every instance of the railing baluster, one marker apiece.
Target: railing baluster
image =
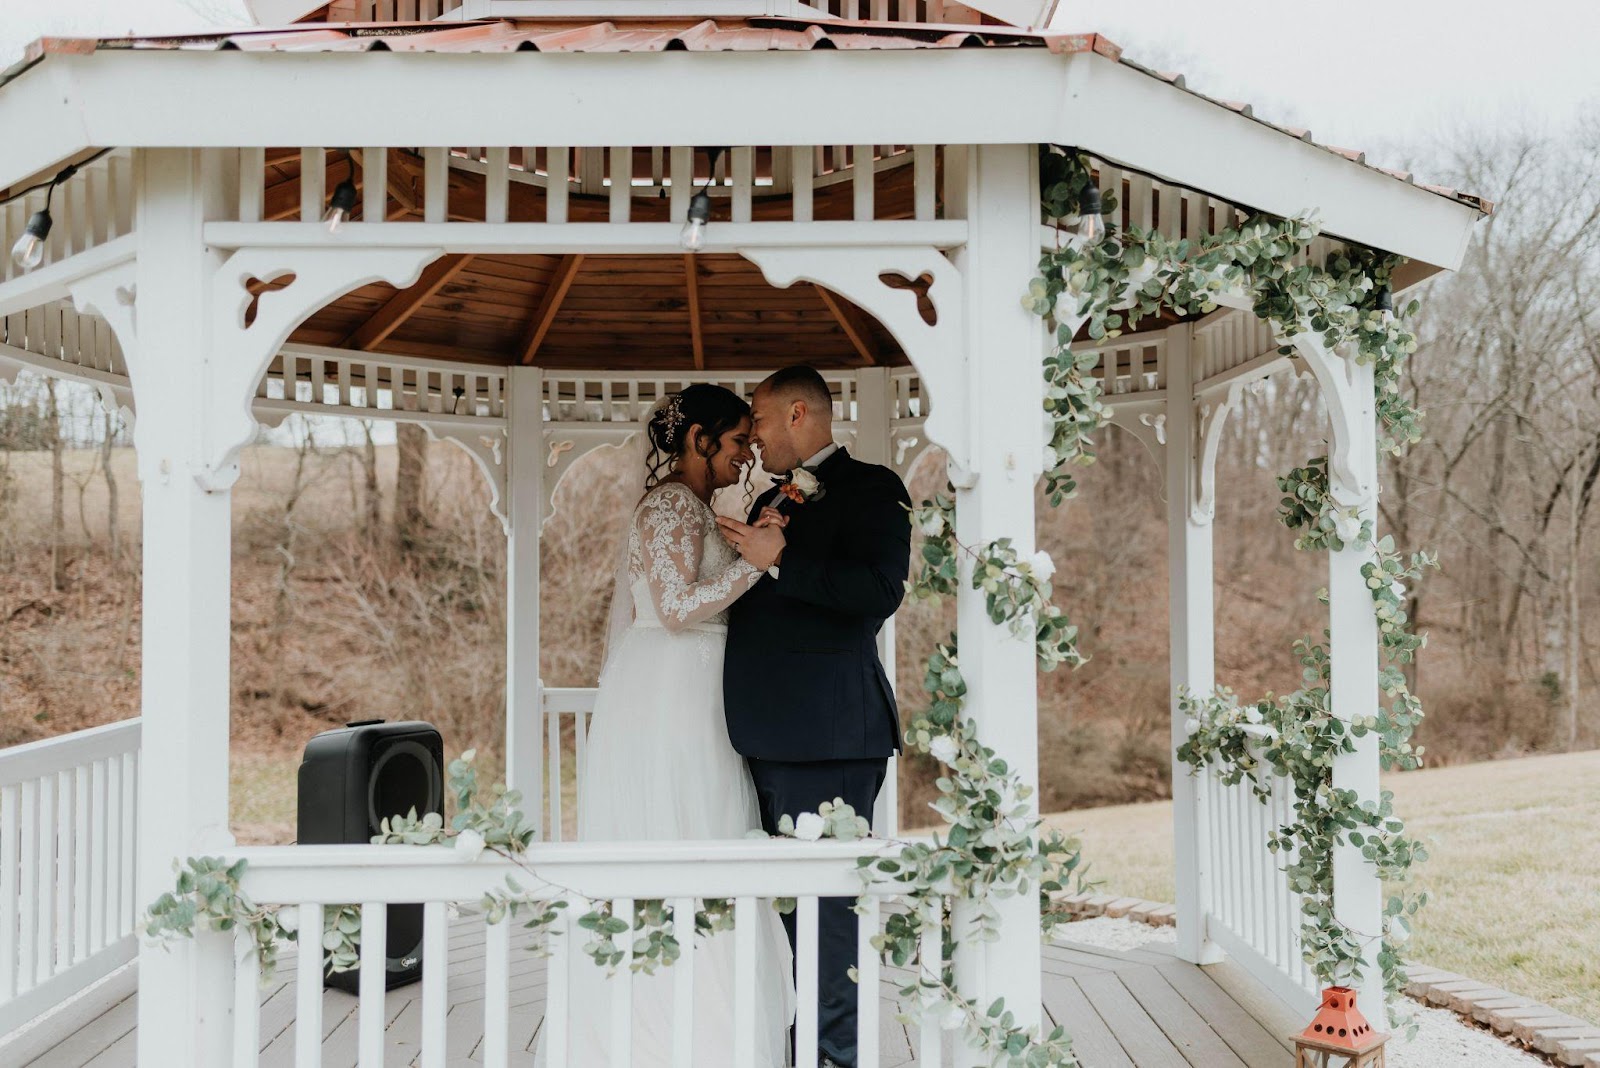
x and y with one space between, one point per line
930 964
436 184
553 726
802 167
308 989
862 158
805 983
435 965
683 983
130 840
743 182
746 916
557 168
621 184
370 1014
45 876
82 820
622 993
246 999
100 852
10 899
867 962
555 1024
496 991
313 180
28 886
374 184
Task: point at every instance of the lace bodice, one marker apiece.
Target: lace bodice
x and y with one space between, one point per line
682 571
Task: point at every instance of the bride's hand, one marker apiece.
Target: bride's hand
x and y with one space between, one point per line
771 517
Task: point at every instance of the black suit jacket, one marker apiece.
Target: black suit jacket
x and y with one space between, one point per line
802 681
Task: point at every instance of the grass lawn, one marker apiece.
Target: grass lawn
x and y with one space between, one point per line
1513 872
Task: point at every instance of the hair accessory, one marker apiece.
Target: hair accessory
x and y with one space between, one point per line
671 415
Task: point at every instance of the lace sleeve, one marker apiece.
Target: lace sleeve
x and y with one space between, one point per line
672 528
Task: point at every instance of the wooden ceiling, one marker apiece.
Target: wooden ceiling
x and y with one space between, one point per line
655 312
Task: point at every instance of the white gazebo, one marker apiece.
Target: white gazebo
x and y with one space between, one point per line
877 214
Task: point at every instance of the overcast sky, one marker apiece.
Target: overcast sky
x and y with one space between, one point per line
1389 76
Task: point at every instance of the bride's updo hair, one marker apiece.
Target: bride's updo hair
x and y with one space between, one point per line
712 408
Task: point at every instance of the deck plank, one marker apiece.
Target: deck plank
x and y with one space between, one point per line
1143 1041
1092 1039
94 1037
1245 1035
1184 1027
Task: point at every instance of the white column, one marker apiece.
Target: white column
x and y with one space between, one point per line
996 188
1353 656
874 445
1192 655
525 486
184 1017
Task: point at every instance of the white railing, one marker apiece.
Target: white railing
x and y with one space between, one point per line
67 853
751 873
1253 913
565 750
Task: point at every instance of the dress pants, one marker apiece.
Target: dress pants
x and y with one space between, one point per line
784 788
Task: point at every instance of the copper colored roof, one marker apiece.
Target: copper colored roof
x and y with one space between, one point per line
764 34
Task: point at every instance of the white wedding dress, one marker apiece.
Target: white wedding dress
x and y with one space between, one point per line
659 767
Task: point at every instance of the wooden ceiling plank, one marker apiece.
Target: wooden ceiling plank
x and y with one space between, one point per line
554 294
851 324
372 333
691 283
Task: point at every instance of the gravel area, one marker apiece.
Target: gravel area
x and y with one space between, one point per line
1106 933
1443 1039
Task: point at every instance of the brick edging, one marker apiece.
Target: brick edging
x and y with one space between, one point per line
1564 1038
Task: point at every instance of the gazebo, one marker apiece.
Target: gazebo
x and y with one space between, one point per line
508 266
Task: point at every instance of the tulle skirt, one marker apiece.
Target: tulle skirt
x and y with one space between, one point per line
659 767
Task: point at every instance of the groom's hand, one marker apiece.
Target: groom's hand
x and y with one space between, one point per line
761 546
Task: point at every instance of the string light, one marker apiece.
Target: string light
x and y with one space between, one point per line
343 201
693 237
1384 302
28 252
1091 217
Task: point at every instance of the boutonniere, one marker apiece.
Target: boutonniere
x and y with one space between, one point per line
802 486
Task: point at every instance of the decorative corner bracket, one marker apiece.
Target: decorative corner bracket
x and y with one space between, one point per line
937 348
1352 478
1148 425
487 447
1210 416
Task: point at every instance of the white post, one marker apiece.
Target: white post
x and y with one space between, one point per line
525 463
1353 664
996 188
874 395
185 1015
1192 655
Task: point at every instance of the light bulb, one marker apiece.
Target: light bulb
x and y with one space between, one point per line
340 205
1385 303
693 237
1091 217
28 252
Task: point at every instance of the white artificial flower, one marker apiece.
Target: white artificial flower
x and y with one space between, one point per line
1252 714
933 524
1042 566
953 1018
805 481
1347 526
944 749
1398 589
289 920
469 843
1191 725
1398 934
809 827
1050 459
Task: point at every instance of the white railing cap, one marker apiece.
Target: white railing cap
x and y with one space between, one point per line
21 763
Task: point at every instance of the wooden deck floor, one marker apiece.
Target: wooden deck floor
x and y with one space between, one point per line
1133 1009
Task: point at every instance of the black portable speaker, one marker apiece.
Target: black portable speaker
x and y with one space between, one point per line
351 779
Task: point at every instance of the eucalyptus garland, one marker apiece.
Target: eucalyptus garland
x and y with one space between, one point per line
1346 301
994 846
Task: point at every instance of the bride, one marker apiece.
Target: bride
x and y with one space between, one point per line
659 763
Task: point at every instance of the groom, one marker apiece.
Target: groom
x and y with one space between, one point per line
808 703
